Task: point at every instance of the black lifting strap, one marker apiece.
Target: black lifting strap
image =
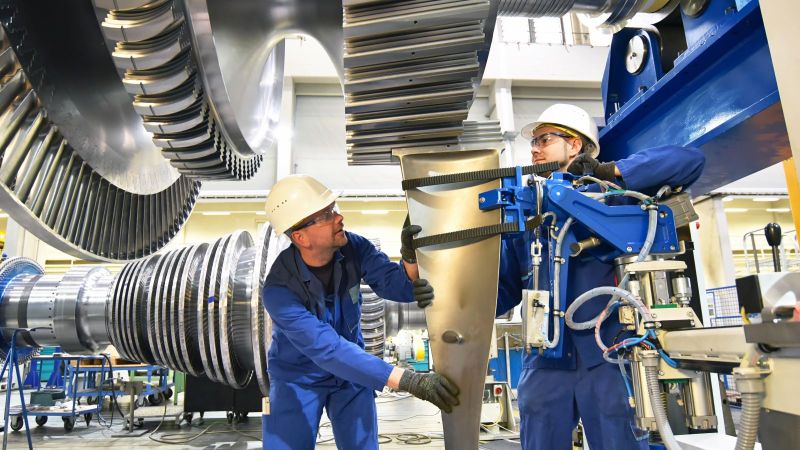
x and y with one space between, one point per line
478 175
475 233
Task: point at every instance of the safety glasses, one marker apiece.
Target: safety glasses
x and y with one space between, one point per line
326 215
545 139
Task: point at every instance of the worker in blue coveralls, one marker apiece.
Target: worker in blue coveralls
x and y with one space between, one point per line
313 295
555 393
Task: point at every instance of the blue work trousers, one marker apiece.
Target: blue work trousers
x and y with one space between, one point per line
552 400
295 411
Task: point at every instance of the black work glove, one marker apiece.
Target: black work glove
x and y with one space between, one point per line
407 241
423 292
431 387
584 164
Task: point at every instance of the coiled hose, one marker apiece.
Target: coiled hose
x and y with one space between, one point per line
748 382
650 359
751 387
652 222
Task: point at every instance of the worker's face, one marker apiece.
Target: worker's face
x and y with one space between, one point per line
324 229
551 144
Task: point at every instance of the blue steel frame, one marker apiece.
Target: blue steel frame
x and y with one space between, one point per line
721 96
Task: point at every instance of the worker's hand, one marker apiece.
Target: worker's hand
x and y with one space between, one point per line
584 164
431 387
407 241
423 293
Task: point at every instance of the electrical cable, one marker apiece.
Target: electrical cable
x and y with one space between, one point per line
115 402
643 253
603 183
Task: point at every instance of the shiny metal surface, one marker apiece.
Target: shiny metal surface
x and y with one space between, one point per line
243 322
75 301
16 274
268 246
410 71
172 322
635 54
613 14
228 328
187 317
47 187
212 116
373 324
196 309
213 310
67 310
241 63
80 90
204 297
464 275
402 316
39 311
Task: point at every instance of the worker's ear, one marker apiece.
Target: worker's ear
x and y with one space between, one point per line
299 239
575 148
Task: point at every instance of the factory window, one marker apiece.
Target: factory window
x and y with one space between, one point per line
567 30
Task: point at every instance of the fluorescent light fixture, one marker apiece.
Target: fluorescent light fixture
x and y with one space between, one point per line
375 212
728 199
3 216
780 210
261 213
216 213
735 210
765 199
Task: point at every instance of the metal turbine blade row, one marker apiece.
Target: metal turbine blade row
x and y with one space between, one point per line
411 69
51 191
475 135
154 49
196 309
372 321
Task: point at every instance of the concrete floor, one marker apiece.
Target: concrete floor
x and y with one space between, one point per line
396 416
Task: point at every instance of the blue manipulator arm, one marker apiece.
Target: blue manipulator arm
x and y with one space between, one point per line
570 217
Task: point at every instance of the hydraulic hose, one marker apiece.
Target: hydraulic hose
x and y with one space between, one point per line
751 387
650 359
556 281
652 222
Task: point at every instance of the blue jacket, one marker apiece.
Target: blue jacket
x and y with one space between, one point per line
316 339
645 171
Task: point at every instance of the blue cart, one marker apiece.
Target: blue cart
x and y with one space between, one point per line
70 408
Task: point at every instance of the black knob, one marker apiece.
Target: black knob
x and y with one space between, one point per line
773 233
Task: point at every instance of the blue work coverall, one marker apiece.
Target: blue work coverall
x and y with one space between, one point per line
317 356
555 393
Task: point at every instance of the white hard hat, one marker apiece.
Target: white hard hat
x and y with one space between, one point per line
294 198
571 117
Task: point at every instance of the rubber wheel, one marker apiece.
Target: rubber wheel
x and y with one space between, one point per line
230 417
140 402
88 418
155 399
41 420
69 423
16 423
188 417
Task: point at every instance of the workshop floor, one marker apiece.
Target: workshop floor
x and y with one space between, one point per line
398 418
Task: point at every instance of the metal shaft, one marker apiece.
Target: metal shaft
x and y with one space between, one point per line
196 309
